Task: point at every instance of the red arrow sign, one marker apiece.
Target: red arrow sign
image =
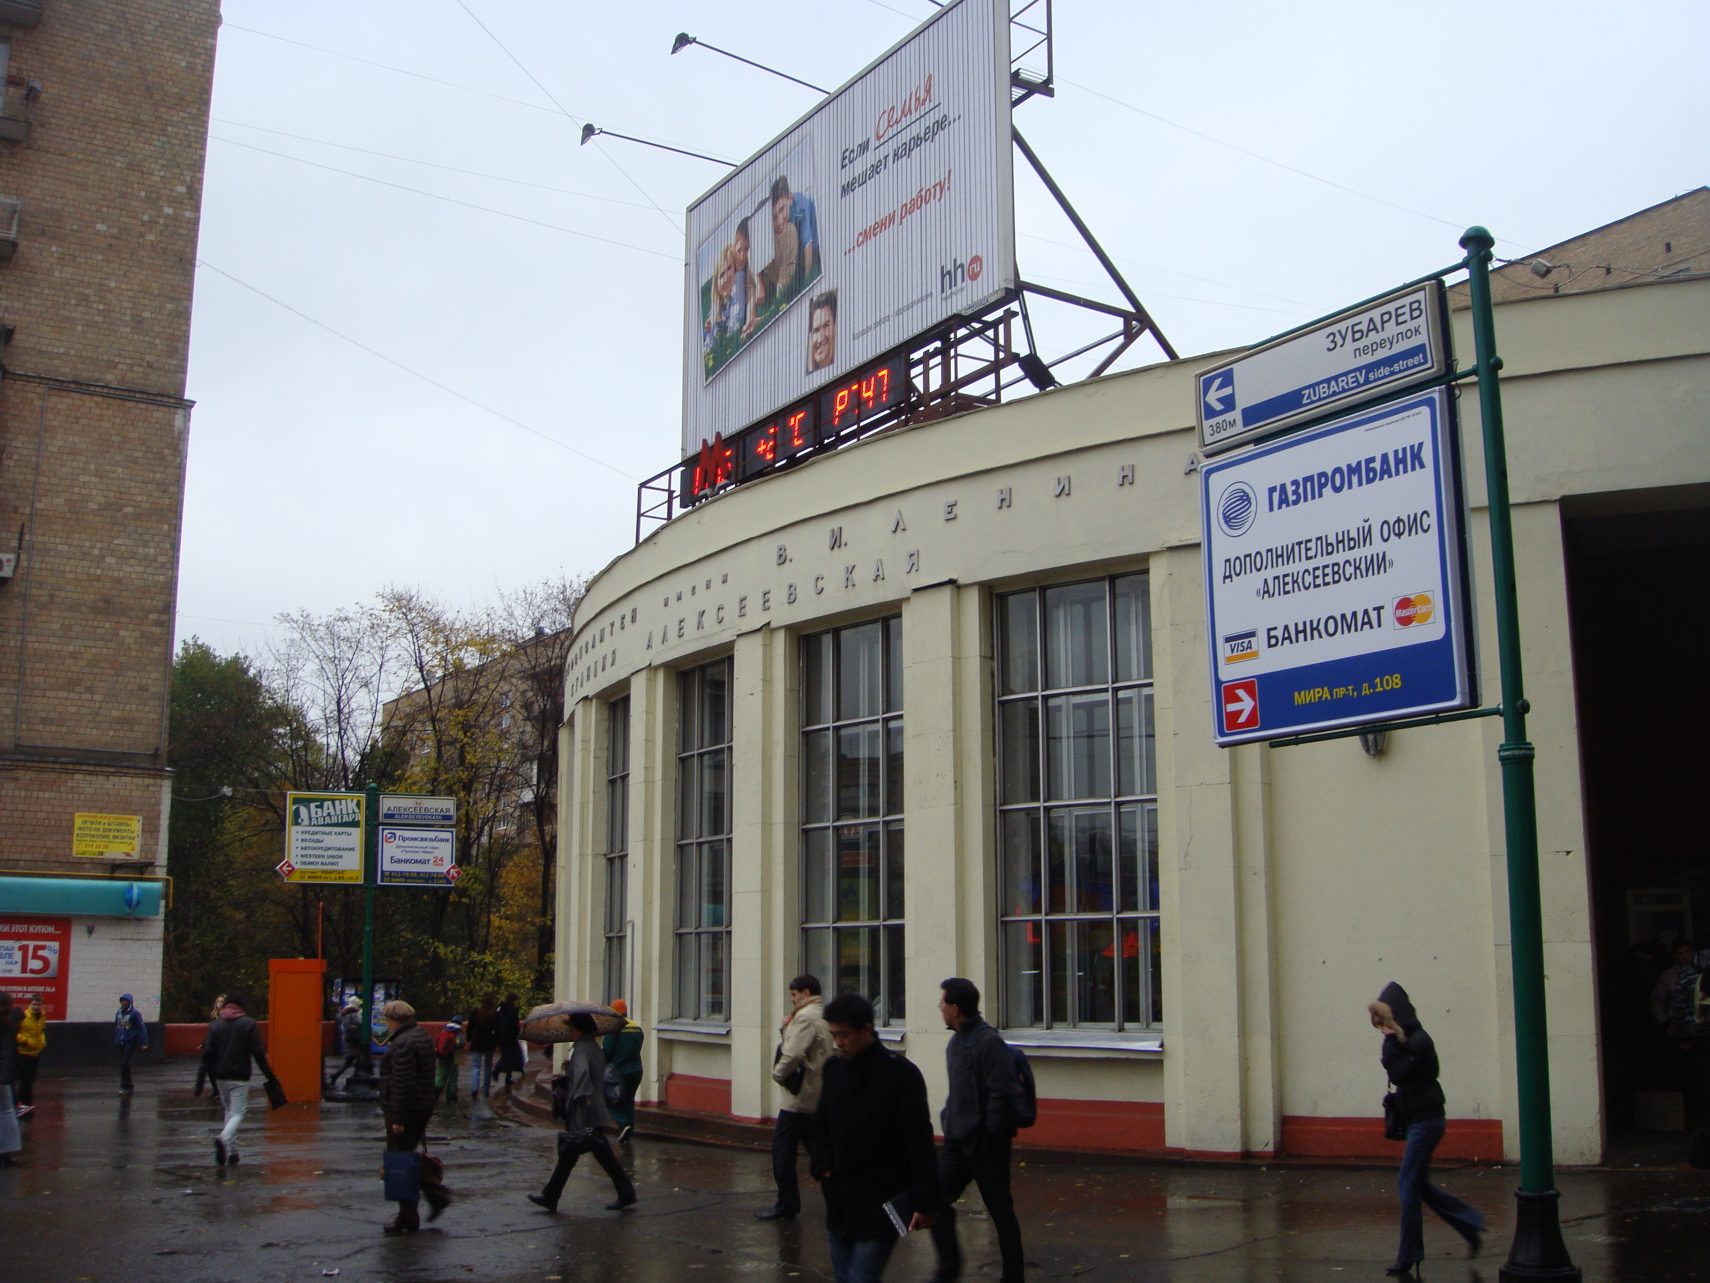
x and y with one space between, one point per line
286 869
453 873
1240 706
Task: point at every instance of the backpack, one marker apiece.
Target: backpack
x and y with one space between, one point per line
445 1046
611 1087
1027 1107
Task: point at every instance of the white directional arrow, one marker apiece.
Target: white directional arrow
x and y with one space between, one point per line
1239 702
1218 393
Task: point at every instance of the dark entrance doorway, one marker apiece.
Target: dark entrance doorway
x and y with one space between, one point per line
1639 590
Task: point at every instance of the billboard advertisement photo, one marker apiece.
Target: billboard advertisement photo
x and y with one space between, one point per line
882 214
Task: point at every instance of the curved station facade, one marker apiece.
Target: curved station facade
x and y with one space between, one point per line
938 703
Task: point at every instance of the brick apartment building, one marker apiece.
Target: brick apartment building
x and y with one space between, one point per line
103 134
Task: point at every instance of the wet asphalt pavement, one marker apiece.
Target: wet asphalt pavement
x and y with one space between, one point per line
108 1189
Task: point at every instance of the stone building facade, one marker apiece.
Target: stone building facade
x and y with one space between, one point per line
854 716
102 143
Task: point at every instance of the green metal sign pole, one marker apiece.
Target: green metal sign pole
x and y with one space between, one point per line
1538 1251
370 870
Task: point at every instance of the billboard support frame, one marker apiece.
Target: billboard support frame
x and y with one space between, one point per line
657 500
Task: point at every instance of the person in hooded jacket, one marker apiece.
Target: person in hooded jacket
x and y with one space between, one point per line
233 1044
32 1042
1410 1060
130 1033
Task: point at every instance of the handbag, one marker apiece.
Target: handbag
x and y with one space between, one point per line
403 1173
433 1166
611 1087
275 1092
1394 1125
578 1141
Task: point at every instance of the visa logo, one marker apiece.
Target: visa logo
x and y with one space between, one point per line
1240 647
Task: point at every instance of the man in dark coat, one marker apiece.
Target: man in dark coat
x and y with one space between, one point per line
872 1145
978 1122
233 1044
407 1097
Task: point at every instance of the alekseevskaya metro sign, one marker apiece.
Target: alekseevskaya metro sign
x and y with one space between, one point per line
1336 576
1374 350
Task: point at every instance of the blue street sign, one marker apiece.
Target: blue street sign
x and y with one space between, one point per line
1358 356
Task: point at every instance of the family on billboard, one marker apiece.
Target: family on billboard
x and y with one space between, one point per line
739 300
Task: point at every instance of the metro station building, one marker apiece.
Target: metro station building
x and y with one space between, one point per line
937 703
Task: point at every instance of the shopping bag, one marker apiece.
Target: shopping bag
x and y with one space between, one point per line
403 1170
275 1092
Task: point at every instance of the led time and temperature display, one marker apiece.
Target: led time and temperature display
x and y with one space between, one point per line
821 419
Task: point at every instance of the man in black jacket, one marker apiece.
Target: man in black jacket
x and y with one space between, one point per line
978 1121
233 1043
872 1145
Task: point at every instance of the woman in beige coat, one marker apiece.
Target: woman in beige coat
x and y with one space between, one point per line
803 1044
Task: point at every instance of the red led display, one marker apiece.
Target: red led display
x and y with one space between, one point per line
756 451
848 403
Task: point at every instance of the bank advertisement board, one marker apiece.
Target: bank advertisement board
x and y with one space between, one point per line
875 218
323 837
418 857
1335 571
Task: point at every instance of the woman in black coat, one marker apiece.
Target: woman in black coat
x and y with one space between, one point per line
1410 1060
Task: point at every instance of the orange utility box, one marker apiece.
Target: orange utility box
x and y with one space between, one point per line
295 1001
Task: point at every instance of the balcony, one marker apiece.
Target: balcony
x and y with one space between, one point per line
16 96
20 13
11 213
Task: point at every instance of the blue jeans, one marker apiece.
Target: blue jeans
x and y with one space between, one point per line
1414 1186
862 1261
480 1074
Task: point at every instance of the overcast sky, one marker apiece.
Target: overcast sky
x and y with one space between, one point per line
436 342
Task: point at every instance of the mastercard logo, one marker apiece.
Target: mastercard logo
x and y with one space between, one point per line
1416 609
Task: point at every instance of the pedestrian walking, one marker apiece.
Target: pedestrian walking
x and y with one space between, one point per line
445 1049
623 1056
872 1145
508 1021
407 1097
978 1123
798 1065
1410 1060
233 1046
130 1034
587 1123
32 1042
351 1031
11 1139
482 1034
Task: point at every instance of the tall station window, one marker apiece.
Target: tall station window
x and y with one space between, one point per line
617 849
703 842
1077 807
852 812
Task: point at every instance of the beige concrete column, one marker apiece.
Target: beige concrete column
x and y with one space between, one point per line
764 860
652 802
1198 835
948 899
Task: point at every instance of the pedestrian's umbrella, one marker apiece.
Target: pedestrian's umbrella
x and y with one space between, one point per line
550 1022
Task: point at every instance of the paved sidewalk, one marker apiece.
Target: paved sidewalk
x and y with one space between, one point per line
116 1190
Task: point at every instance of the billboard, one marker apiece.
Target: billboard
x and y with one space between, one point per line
880 215
35 957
